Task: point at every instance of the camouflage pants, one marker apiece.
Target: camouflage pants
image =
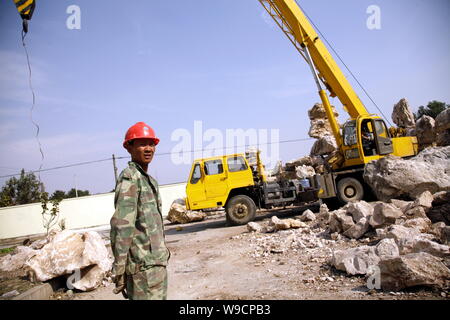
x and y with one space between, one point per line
150 284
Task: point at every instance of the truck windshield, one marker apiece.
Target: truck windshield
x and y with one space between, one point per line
196 174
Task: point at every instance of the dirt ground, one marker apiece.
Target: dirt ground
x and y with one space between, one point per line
213 261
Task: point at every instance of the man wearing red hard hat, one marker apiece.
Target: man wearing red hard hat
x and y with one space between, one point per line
137 231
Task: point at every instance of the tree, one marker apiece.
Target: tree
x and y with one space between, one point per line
58 194
50 216
432 109
25 189
72 194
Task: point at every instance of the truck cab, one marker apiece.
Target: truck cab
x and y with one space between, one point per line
367 138
238 183
211 180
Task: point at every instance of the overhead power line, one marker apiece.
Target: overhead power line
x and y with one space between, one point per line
60 167
156 154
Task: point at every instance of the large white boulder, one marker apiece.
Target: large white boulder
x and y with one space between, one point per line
402 114
179 214
393 177
70 252
425 132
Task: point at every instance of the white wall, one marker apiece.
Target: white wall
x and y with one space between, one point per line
83 212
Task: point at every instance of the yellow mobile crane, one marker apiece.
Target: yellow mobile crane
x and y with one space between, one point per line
364 137
240 186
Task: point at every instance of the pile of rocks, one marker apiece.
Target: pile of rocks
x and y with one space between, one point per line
82 257
358 219
275 224
430 132
404 257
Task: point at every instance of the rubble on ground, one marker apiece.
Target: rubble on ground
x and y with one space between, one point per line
276 224
299 239
394 177
389 236
179 214
402 241
402 114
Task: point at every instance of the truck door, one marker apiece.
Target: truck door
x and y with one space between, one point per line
216 184
239 174
382 138
195 189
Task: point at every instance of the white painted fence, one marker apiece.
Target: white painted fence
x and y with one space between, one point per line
83 212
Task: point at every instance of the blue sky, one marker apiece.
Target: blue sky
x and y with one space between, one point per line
170 63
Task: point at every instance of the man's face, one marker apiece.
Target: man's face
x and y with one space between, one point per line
142 150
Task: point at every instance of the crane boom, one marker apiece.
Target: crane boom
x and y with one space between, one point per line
294 23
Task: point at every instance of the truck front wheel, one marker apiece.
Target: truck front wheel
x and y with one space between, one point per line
349 190
240 210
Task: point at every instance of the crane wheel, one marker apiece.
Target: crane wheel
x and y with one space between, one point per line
349 190
240 210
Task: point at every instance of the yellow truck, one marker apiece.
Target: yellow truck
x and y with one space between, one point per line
238 183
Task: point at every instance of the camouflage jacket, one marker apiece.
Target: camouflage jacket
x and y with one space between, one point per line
137 231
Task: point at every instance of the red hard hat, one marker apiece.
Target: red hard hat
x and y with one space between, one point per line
138 131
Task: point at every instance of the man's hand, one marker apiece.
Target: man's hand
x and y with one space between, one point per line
120 281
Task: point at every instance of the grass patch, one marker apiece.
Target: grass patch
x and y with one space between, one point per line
6 250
